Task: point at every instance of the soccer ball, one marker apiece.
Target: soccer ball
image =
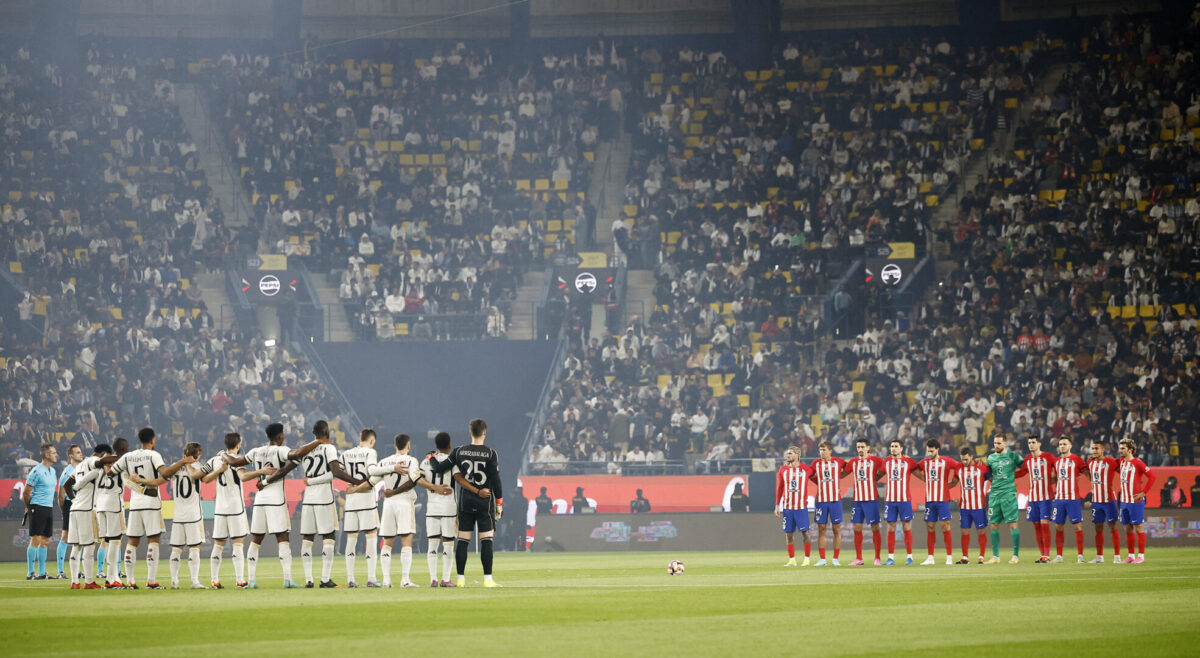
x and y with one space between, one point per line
674 568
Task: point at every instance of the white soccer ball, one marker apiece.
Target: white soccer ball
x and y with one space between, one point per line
674 568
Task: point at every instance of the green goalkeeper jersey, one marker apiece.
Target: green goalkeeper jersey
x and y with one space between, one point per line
1004 472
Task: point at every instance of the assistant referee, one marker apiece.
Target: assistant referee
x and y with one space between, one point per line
39 506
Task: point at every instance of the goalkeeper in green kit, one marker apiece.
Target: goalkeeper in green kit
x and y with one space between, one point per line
1002 500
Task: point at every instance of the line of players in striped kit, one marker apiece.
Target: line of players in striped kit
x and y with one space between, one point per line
988 499
97 517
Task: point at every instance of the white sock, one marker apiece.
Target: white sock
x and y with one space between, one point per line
351 548
252 561
891 556
112 570
176 555
385 561
73 564
447 558
214 562
329 549
372 556
194 564
285 559
405 563
152 563
89 564
239 563
432 557
130 562
306 559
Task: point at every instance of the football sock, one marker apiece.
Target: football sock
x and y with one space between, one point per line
1116 537
176 554
821 551
130 561
252 561
891 543
328 549
89 564
1016 541
948 537
995 543
807 548
1100 543
306 558
432 557
31 560
1060 538
372 555
351 547
1043 539
791 550
877 540
285 559
931 542
1079 541
73 563
837 547
447 558
61 554
485 556
858 542
406 564
100 553
460 556
43 551
966 543
385 561
1130 545
114 558
239 562
194 563
982 543
152 563
214 563
1141 537
908 541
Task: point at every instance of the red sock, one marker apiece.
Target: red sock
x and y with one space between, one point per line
1100 542
807 549
1116 535
908 541
821 551
1079 541
931 542
966 543
982 544
791 550
1141 543
1037 534
837 549
858 541
1059 539
891 543
949 539
1045 530
1130 542
875 539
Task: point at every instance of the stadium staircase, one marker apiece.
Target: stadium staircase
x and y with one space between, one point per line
608 186
214 160
521 325
337 327
216 299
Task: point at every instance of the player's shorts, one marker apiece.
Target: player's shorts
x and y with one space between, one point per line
144 522
366 520
972 518
108 525
936 511
795 519
1002 508
1106 512
230 526
1040 510
1133 513
865 512
399 518
187 533
829 513
440 526
476 513
270 520
66 513
901 511
319 519
41 521
1067 510
82 531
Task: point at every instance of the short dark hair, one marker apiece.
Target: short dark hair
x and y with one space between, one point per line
192 449
102 449
274 429
46 448
146 435
933 443
862 439
402 441
367 433
897 441
965 450
74 446
478 427
441 440
232 440
120 446
320 429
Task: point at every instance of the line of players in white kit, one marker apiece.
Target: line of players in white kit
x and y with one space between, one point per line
97 511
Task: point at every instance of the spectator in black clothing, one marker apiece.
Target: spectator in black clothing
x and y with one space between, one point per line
639 505
517 528
739 502
580 502
1196 492
543 503
1172 495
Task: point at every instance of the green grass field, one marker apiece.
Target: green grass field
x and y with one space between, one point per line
728 604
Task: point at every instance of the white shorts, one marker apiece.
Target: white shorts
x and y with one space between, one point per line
441 526
144 523
270 520
82 531
230 526
366 520
108 525
318 519
190 533
398 519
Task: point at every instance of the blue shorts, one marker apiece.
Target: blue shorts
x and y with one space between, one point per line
867 512
1133 513
973 518
795 519
1040 510
894 511
1106 512
937 512
1065 510
829 513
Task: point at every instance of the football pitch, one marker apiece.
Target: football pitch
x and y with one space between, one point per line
591 604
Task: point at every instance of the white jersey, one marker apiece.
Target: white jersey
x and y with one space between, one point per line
144 464
108 493
262 457
231 500
439 504
316 466
385 473
85 485
186 493
358 462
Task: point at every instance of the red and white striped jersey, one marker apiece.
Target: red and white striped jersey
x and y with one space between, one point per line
975 486
1131 472
1104 479
898 470
1069 469
1039 471
827 473
865 471
791 487
937 478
